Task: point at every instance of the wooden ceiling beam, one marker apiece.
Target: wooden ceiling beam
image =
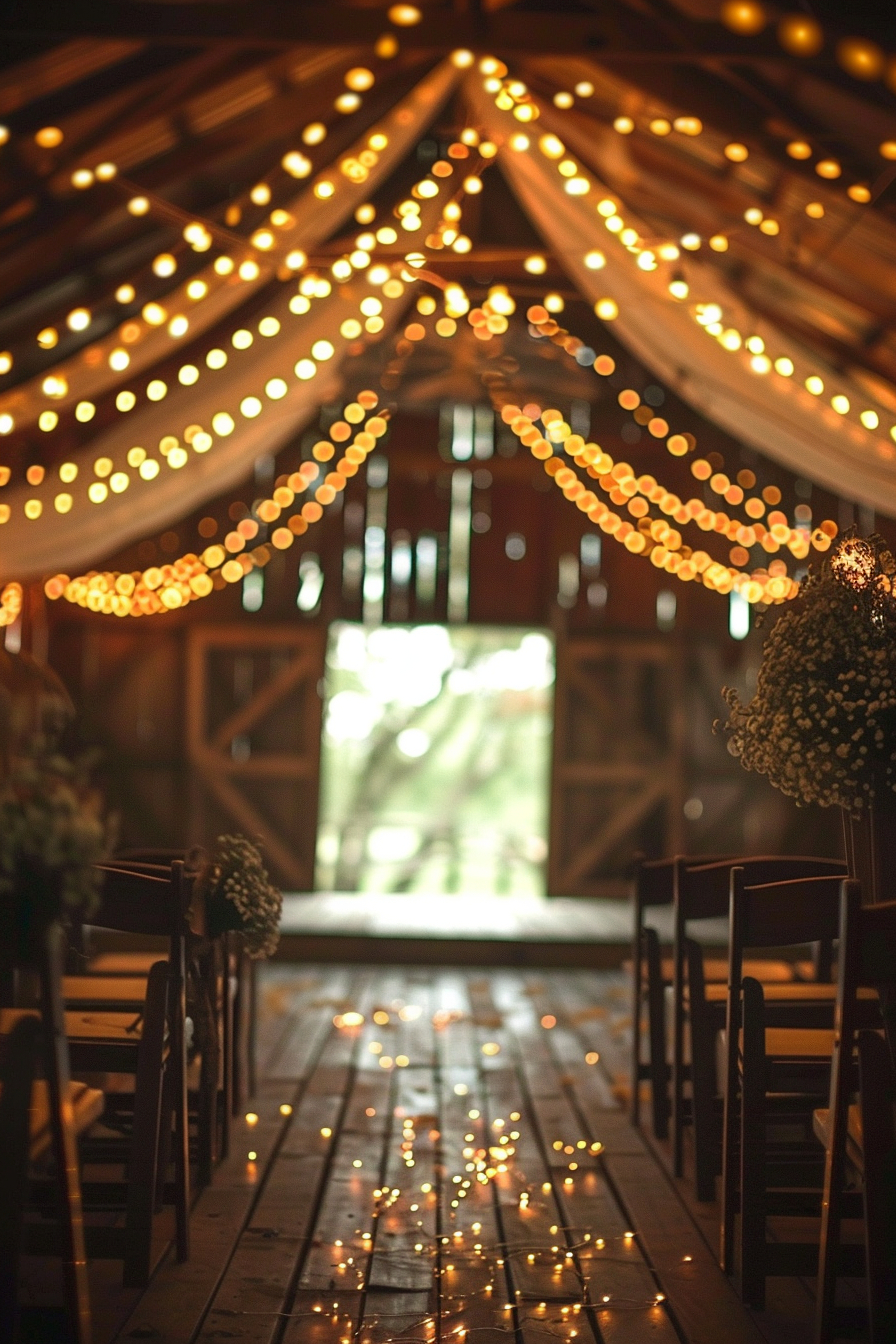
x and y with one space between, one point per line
616 36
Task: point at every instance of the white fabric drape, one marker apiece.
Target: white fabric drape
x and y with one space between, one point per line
771 413
90 532
88 373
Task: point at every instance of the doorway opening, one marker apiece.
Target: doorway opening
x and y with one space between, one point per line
435 760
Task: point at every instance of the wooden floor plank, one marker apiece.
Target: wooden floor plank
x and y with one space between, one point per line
175 1303
610 1271
386 1207
476 1288
402 1292
257 1289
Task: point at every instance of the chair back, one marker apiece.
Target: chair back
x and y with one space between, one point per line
145 899
868 940
704 889
781 914
867 960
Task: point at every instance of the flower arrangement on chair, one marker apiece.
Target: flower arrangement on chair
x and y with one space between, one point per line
51 837
822 723
241 897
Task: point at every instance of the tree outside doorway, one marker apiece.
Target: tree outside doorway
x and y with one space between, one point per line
435 760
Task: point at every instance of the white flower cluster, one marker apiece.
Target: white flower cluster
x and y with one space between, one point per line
822 724
242 896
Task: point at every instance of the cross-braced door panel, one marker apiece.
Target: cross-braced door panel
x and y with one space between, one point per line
253 732
618 742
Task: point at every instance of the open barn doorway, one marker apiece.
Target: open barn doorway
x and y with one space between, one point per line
435 760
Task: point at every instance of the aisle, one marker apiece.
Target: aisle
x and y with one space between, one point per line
448 1168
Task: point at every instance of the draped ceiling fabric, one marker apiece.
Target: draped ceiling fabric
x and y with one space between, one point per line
824 295
84 535
88 372
771 413
834 277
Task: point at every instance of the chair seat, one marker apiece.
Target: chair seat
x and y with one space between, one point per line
86 1106
799 1048
124 963
798 1043
855 1147
87 1027
767 971
104 992
795 991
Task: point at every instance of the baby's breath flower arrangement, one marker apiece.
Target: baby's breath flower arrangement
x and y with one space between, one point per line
242 897
51 834
822 724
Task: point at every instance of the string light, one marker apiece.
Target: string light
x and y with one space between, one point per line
553 148
354 166
651 537
169 587
745 533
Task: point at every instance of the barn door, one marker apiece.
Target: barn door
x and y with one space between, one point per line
253 734
618 770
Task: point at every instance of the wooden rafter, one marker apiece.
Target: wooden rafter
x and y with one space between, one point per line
619 34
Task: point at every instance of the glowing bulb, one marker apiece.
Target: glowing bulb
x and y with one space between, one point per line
296 164
801 36
743 16
404 16
359 79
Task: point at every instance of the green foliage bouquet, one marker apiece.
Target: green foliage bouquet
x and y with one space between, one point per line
51 834
241 896
822 724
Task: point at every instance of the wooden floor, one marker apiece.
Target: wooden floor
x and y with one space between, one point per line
481 930
453 1167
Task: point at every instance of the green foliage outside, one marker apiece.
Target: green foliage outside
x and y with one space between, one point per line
435 760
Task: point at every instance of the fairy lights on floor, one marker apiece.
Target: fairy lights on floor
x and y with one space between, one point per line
476 1164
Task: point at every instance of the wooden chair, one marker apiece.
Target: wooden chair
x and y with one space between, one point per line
702 892
775 1068
41 1117
863 1136
653 888
232 998
655 881
105 1037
